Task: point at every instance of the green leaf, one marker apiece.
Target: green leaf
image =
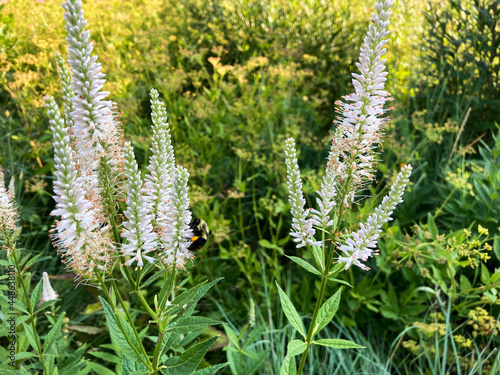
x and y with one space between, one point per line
465 284
130 367
340 281
290 312
24 355
106 356
307 266
46 304
36 294
190 323
295 347
21 306
190 359
152 278
327 311
317 253
231 335
485 275
338 344
117 335
431 225
210 370
99 369
32 261
31 336
496 247
288 367
53 334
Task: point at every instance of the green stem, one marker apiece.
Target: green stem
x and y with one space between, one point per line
143 356
313 324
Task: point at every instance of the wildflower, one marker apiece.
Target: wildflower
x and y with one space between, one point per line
174 221
361 244
48 293
8 211
482 230
359 123
162 161
302 227
138 228
96 132
80 238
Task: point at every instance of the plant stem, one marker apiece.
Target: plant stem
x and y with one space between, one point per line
313 324
144 357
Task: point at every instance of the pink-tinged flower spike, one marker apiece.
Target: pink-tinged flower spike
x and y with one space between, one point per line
360 115
302 229
327 193
82 242
361 244
174 223
162 161
8 211
138 231
67 91
96 132
48 293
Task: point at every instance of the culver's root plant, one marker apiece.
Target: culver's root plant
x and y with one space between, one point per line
350 168
114 225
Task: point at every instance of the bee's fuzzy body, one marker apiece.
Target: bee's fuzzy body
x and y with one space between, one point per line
200 234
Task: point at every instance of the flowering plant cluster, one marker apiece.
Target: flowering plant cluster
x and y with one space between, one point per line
91 159
350 168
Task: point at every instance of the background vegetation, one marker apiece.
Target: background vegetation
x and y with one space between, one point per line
238 78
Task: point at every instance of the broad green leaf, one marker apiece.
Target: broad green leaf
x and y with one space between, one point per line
21 306
295 347
288 367
190 323
190 359
431 225
99 369
130 367
465 284
231 335
31 336
24 355
307 266
290 312
338 344
327 311
53 334
496 246
118 335
485 275
210 370
36 294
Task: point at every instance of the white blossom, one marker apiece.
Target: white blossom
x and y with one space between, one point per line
138 231
162 161
302 229
175 232
80 238
48 293
8 210
360 123
360 245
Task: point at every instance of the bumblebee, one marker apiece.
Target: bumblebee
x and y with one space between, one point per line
200 234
